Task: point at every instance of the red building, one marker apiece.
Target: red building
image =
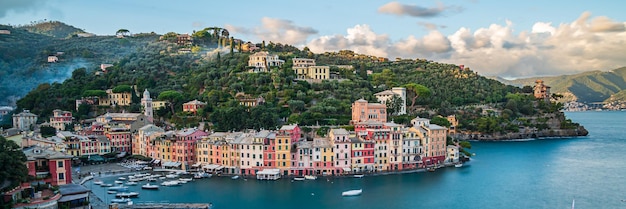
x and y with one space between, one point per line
120 139
48 165
193 106
60 119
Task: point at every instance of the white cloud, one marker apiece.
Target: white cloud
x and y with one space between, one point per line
277 30
584 44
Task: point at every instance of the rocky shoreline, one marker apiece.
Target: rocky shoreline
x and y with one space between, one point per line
551 133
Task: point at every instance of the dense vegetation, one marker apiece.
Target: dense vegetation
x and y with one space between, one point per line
23 55
217 76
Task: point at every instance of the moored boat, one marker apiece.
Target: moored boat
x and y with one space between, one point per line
106 185
170 183
352 192
127 194
299 178
308 177
119 182
111 192
234 177
131 183
121 200
118 188
150 186
121 179
98 182
458 165
358 175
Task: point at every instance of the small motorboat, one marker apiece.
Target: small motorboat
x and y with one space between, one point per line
172 176
98 182
431 169
121 179
352 192
358 175
234 177
185 179
106 185
162 177
308 177
121 200
119 182
170 183
131 183
152 179
458 165
299 178
127 194
150 186
111 192
118 188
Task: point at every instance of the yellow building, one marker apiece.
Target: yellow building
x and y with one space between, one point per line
312 72
158 105
120 99
283 152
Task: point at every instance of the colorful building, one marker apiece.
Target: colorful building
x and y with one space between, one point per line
262 61
341 138
433 141
48 165
60 119
364 111
24 121
385 97
193 106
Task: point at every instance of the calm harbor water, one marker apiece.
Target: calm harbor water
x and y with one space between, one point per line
546 173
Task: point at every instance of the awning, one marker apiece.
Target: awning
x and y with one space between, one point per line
347 169
213 167
67 198
156 161
196 165
269 172
171 164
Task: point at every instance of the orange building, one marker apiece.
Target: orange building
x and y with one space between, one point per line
193 106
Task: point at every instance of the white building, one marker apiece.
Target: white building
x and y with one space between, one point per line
262 61
342 148
24 120
452 155
146 103
385 96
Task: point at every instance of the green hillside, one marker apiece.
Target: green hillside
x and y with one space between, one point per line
23 57
592 86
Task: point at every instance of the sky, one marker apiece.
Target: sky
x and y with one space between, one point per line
510 39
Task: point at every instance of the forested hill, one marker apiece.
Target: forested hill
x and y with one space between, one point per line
24 55
595 86
218 78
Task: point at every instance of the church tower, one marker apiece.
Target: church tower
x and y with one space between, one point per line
146 102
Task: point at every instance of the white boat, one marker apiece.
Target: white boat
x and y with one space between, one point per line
127 194
106 185
118 188
111 192
234 177
185 179
122 200
201 175
307 177
152 179
162 177
458 165
121 179
150 186
352 192
131 183
98 182
299 178
170 183
119 182
172 176
358 175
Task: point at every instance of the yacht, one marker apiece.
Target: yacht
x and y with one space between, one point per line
352 192
150 186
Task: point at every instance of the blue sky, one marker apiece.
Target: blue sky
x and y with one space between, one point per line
504 38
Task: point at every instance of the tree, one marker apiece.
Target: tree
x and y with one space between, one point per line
13 169
123 32
438 120
122 89
418 90
394 105
172 97
95 93
47 131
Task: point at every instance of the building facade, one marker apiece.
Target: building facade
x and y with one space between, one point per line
60 119
262 61
364 111
385 97
24 121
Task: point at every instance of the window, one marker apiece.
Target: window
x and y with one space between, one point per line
61 176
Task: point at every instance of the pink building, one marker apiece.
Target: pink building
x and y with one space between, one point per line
120 139
184 148
364 111
60 119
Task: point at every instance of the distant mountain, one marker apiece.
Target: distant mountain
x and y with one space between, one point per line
53 28
595 86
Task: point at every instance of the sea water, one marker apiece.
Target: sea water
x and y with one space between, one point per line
542 173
